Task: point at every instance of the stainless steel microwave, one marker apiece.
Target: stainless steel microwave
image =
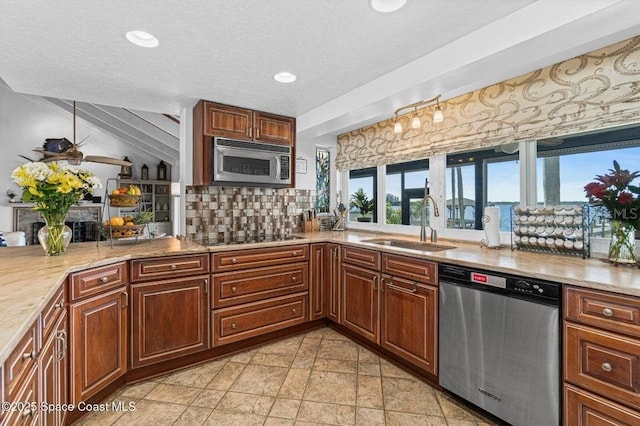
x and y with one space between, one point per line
250 163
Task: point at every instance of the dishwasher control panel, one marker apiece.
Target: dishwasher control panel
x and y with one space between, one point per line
529 288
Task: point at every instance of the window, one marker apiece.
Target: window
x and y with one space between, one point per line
363 187
478 179
564 167
323 182
405 191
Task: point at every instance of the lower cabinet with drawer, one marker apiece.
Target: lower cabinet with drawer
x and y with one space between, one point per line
601 358
258 291
98 301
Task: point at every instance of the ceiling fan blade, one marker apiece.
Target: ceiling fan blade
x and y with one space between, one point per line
47 153
107 160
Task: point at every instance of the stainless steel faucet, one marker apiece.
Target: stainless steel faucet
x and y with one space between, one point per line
423 215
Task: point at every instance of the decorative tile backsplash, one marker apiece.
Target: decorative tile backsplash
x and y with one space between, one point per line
221 212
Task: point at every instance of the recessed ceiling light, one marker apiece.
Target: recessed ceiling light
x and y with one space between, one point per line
142 39
386 6
285 77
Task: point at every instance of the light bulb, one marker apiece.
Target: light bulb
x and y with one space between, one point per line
437 115
397 128
415 122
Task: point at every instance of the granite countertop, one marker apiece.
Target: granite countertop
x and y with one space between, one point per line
29 279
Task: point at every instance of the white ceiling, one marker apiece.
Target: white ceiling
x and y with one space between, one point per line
354 65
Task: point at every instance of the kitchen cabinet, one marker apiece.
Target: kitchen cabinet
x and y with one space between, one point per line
98 342
409 319
54 370
257 291
601 357
333 287
318 267
23 408
169 319
169 267
360 301
212 119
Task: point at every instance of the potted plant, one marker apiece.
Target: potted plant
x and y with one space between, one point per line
360 201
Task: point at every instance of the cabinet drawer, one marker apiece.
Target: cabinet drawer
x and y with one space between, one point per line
410 268
98 280
52 312
255 258
603 310
253 319
21 361
169 267
233 288
27 399
582 408
603 362
361 257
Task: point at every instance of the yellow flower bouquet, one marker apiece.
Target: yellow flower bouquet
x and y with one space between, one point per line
54 189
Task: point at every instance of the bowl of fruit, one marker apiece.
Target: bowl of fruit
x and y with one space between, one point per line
127 226
125 196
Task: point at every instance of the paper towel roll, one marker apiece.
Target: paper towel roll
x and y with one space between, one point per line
491 220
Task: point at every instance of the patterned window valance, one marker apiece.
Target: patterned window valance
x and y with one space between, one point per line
597 90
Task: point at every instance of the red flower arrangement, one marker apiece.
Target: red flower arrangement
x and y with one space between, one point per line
615 192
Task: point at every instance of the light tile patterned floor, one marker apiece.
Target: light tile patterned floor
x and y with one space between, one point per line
320 377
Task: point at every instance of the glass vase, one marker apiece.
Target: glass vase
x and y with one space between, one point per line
55 236
622 247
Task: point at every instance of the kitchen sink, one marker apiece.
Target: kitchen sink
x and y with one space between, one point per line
412 245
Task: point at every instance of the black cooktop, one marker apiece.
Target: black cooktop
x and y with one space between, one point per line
246 240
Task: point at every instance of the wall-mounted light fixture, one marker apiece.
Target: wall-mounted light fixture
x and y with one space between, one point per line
415 121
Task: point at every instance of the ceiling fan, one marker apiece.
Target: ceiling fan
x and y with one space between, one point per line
65 150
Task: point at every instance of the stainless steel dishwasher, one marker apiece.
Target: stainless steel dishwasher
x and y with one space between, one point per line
500 343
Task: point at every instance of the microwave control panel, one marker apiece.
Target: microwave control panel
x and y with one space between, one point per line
284 167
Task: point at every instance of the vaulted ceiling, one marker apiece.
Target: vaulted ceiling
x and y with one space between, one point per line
354 65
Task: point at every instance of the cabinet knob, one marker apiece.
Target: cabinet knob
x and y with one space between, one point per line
59 305
295 253
233 289
294 279
234 260
607 367
607 312
104 279
294 311
233 326
28 355
28 412
174 267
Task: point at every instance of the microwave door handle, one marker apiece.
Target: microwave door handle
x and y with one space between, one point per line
277 168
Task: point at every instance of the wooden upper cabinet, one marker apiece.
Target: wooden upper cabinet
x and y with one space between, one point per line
227 121
273 128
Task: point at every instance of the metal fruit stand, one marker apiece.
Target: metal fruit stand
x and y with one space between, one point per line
123 232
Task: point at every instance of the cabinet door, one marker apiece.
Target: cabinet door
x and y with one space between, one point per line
25 411
360 301
54 368
98 342
333 293
273 128
408 324
317 282
227 121
169 319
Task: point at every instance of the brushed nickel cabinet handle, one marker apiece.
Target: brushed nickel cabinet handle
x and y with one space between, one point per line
104 279
607 367
174 267
62 338
607 312
206 286
28 355
233 289
234 260
250 132
257 132
125 305
375 283
233 326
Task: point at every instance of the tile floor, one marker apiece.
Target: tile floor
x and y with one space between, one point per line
320 377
